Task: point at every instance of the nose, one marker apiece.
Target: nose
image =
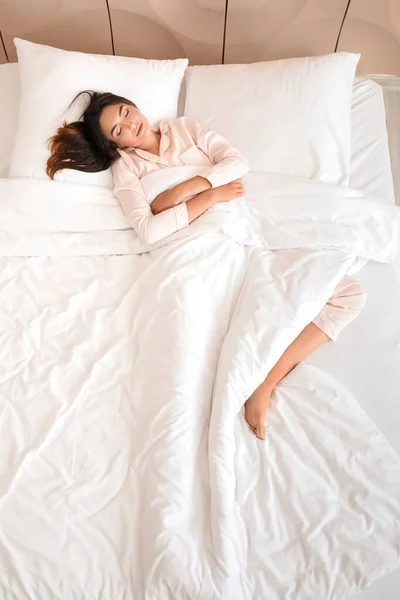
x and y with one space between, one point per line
127 122
132 126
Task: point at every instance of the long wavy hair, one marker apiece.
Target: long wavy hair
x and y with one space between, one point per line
81 145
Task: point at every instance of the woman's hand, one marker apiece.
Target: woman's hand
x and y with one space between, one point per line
174 196
165 200
229 191
179 193
224 193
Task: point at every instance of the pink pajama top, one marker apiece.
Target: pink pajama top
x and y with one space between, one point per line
183 142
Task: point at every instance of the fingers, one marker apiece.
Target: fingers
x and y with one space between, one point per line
258 430
260 433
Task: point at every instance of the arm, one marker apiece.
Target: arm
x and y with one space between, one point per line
197 205
152 228
229 164
129 192
179 193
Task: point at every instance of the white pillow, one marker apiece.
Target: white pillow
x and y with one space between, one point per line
9 106
287 116
370 160
50 78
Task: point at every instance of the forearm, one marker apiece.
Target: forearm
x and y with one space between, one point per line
179 193
199 204
192 186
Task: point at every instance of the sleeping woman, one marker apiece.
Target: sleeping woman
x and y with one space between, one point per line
112 132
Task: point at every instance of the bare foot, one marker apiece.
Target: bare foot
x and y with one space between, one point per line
256 407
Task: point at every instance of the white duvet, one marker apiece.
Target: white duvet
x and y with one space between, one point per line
127 471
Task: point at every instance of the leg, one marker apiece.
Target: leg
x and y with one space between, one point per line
256 406
345 305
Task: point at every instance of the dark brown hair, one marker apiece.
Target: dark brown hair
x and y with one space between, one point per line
81 145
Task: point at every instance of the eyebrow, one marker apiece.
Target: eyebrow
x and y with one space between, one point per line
120 111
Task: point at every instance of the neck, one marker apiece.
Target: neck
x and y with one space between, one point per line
151 143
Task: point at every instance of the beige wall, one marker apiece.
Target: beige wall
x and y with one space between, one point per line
70 24
372 27
256 29
265 29
169 29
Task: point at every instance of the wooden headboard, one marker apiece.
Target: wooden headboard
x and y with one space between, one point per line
210 31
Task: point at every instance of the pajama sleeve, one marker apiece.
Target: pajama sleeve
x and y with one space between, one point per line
150 228
229 164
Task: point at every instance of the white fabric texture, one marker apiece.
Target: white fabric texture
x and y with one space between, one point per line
127 469
370 168
366 355
287 116
9 107
50 78
284 215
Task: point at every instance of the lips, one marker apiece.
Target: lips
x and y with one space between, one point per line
139 131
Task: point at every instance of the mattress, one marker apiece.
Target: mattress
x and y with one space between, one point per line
366 357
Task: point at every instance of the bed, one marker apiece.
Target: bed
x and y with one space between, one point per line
371 346
365 359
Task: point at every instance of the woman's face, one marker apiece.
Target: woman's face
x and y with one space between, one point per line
124 124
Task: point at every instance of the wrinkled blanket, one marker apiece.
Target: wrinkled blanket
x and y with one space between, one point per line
127 470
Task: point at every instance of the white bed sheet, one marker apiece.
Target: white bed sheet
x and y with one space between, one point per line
366 359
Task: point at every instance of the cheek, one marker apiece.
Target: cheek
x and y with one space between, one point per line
128 139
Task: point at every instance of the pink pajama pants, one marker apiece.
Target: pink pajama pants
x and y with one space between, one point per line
342 308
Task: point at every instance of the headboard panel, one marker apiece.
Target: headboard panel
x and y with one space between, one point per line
255 29
174 29
270 30
81 25
373 28
3 57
